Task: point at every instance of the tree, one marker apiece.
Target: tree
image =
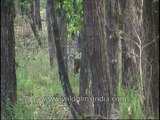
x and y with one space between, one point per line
85 76
63 33
8 75
151 55
94 22
140 51
112 41
37 16
155 84
51 44
31 20
74 107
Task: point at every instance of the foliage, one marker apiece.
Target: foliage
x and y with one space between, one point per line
132 107
25 6
74 20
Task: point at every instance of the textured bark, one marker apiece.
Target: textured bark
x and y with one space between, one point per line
51 44
94 21
37 15
151 54
85 77
8 75
63 34
32 23
138 31
74 107
132 13
112 42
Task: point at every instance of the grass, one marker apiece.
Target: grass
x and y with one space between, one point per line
132 107
37 84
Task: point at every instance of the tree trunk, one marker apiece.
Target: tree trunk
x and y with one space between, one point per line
155 84
94 20
112 42
51 44
85 77
74 107
37 15
152 56
8 75
63 34
32 23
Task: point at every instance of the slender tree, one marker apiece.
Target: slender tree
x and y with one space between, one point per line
74 107
63 33
51 43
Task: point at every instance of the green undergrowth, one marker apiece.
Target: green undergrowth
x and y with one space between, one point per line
37 86
131 106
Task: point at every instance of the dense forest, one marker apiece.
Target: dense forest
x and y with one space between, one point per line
79 59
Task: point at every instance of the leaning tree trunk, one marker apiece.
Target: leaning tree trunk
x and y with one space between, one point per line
74 107
51 44
8 75
94 21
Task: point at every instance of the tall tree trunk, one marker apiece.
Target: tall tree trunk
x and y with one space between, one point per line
63 34
112 42
152 56
37 15
51 43
94 20
74 107
155 84
8 75
85 77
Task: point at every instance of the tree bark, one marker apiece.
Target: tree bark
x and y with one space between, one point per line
112 43
152 56
85 76
32 23
94 21
37 15
74 107
51 43
8 75
63 34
